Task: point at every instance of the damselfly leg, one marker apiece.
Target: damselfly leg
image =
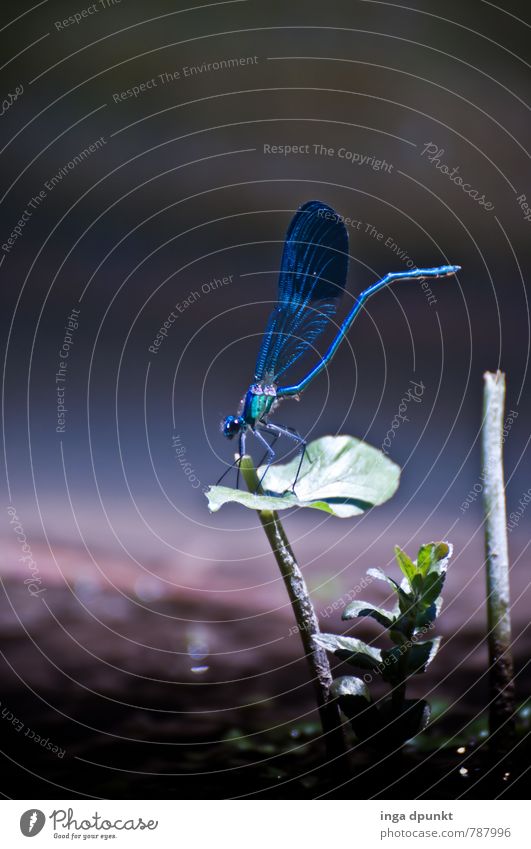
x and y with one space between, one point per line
271 445
270 454
241 449
236 462
282 430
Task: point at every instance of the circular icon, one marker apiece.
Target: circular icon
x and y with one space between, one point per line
31 822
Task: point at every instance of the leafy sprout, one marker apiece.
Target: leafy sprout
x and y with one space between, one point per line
418 601
341 476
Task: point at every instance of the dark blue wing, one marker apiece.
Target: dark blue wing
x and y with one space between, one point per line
312 279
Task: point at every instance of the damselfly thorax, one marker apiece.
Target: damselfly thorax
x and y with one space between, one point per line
259 400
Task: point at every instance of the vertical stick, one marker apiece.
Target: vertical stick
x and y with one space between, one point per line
501 719
305 618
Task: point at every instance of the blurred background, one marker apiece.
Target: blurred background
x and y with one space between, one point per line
149 170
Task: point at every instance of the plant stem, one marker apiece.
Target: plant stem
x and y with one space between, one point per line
502 707
398 693
305 617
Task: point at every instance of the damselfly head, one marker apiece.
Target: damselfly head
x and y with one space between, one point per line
232 426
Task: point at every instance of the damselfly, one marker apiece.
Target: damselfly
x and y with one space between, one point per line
312 279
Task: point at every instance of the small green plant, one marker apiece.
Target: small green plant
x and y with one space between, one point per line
391 721
341 476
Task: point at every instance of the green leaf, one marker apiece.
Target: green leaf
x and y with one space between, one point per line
353 695
404 600
422 654
340 475
429 614
395 730
407 566
433 557
374 572
424 558
349 649
349 685
417 584
441 555
432 589
363 608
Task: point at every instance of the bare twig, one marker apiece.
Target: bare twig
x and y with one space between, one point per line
502 708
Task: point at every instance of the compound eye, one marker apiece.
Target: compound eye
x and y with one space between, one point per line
231 427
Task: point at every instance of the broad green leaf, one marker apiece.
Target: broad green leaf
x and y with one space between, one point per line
433 557
420 614
407 566
382 729
420 655
349 685
353 651
363 608
429 614
374 572
432 588
417 584
340 475
400 589
424 558
413 719
401 631
441 555
353 695
404 600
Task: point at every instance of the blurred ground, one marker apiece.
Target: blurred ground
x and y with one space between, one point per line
132 677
